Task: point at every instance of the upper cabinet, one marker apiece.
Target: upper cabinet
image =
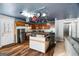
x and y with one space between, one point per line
20 23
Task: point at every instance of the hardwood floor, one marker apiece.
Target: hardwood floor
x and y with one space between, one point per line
24 50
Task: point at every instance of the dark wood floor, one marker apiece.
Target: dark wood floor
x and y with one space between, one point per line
23 50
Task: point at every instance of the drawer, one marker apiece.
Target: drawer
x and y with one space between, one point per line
37 38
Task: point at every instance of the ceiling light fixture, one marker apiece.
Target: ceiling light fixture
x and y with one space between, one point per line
27 14
44 14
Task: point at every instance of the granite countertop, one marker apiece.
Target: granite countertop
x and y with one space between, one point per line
76 39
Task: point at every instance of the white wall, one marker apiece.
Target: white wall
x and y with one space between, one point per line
59 29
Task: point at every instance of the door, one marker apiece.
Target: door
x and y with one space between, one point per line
67 29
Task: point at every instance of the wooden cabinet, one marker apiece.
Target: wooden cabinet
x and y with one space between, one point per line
20 23
39 26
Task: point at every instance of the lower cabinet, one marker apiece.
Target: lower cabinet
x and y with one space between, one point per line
6 39
3 41
70 51
39 46
38 43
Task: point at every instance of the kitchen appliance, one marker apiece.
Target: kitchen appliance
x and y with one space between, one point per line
20 35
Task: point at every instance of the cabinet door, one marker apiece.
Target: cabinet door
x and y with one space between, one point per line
39 46
10 33
0 33
78 29
3 41
73 29
70 51
3 34
10 38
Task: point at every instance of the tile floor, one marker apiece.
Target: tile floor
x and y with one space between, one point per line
59 49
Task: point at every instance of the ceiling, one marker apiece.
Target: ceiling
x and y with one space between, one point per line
53 10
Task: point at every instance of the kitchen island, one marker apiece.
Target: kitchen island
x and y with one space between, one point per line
39 42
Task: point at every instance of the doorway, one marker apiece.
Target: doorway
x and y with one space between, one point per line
67 30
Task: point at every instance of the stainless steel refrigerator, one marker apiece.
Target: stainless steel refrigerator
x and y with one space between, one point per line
20 35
